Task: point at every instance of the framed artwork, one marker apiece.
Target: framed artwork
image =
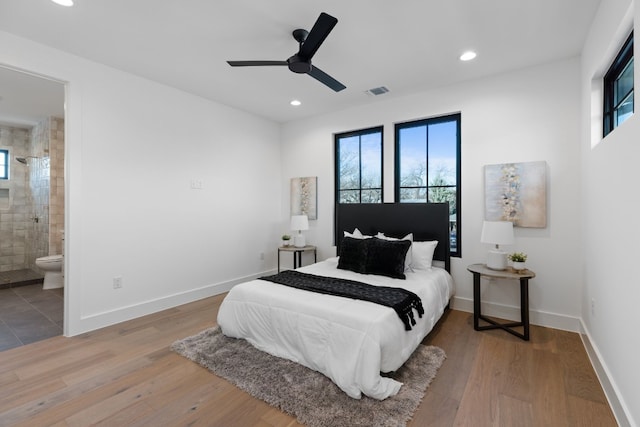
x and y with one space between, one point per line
304 196
516 192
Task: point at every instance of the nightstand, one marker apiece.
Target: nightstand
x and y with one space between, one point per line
523 277
297 254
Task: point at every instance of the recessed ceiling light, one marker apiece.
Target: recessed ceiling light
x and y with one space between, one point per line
63 2
467 56
295 103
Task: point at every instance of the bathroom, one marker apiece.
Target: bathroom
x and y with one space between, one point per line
31 210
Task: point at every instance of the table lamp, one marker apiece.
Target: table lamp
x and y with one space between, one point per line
299 223
497 233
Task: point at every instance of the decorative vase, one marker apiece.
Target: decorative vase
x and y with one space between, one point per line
285 242
518 265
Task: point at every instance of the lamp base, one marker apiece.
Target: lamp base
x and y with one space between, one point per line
497 260
299 241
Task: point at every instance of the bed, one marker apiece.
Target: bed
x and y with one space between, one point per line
350 341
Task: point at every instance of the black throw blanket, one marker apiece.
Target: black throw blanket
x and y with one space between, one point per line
401 300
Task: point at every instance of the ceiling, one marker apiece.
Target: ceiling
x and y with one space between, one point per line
26 99
407 46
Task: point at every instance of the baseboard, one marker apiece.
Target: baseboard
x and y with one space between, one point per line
107 318
508 312
617 404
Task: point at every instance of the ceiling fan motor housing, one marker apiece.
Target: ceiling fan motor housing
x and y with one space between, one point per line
298 65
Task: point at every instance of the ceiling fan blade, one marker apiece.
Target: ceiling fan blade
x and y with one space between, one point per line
255 63
321 29
326 79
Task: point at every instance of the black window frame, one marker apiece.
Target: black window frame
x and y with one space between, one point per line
359 133
611 107
5 168
457 117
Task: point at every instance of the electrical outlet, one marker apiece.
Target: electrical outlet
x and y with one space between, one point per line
117 282
593 306
262 256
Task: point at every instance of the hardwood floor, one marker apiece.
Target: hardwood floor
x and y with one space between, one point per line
125 375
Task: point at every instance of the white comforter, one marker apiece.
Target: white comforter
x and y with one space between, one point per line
349 341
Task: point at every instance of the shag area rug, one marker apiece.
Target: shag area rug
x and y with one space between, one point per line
306 394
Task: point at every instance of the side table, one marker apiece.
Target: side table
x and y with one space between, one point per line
297 254
523 277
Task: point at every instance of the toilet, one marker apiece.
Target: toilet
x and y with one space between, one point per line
52 267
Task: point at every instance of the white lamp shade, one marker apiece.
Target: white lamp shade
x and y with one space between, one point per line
299 222
497 232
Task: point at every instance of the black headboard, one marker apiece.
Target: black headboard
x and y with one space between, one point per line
427 221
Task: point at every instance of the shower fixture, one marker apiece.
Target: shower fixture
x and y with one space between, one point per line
23 160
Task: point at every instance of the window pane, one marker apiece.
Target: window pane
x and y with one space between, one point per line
371 196
625 110
443 195
4 159
624 83
371 160
349 163
442 153
413 156
413 195
350 196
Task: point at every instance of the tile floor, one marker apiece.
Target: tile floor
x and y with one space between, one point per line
10 279
29 314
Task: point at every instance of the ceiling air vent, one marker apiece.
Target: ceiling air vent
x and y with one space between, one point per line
377 91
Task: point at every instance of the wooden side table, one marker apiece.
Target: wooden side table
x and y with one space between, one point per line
297 254
523 276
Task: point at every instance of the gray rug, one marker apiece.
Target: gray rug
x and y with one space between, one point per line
306 394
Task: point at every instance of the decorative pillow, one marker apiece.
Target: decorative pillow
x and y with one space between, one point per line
357 234
386 257
409 258
423 254
353 254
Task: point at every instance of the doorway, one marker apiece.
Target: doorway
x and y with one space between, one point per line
31 205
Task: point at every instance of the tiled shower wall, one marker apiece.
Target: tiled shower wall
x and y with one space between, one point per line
56 192
31 225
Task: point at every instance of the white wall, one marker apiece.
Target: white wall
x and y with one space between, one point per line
610 176
527 115
132 149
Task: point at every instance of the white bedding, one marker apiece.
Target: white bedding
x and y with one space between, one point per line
349 341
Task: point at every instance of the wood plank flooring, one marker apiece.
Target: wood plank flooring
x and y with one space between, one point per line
125 375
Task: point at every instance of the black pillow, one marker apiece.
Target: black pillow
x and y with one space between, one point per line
386 257
353 254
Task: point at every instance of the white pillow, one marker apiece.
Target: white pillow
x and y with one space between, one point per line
423 254
357 234
408 259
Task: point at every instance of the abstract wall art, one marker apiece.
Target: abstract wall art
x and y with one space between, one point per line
516 192
304 196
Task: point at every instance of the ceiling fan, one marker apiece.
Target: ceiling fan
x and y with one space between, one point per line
300 62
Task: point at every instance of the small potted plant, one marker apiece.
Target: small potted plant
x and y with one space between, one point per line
286 239
518 259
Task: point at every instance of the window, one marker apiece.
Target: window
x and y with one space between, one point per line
428 166
359 166
618 89
4 164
